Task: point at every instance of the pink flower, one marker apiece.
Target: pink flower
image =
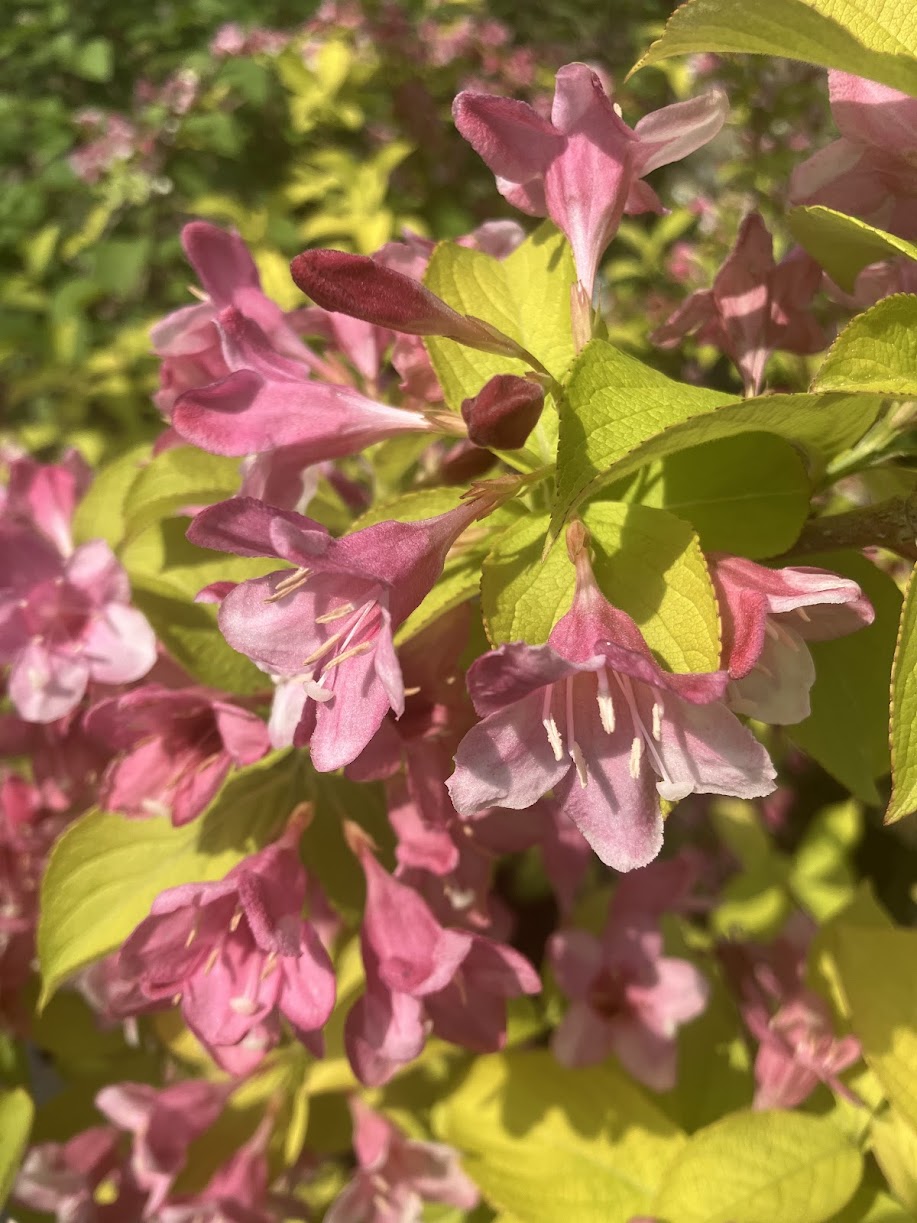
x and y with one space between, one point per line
324 629
44 495
268 402
65 621
594 717
754 307
583 168
396 1175
187 339
421 976
62 1178
176 747
164 1122
236 1193
871 171
239 954
627 997
768 615
798 1047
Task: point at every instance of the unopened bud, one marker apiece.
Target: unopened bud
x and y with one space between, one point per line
364 289
504 412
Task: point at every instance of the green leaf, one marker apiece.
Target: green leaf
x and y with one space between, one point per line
549 1144
618 414
822 877
94 60
646 561
100 515
878 974
747 495
16 1113
175 480
761 1167
847 731
106 870
894 1144
754 903
903 730
526 295
844 245
876 40
876 352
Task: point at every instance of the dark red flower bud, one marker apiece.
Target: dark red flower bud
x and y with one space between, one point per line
364 289
504 412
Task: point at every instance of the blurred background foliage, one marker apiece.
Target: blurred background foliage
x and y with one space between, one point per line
310 125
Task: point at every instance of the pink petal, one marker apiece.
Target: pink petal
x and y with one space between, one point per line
678 130
244 735
45 686
221 260
120 646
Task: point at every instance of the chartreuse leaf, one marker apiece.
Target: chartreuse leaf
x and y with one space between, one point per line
526 295
871 1205
876 40
759 1167
894 1144
844 245
877 969
646 561
16 1113
876 352
166 572
100 514
903 732
747 495
547 1144
106 870
175 480
754 903
617 415
822 877
847 731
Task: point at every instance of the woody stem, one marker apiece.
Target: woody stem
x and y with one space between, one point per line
891 524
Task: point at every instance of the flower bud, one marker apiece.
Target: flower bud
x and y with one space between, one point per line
364 289
504 412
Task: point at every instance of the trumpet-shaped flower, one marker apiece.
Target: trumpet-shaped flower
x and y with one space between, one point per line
768 616
65 621
594 717
238 954
324 629
421 976
395 1175
871 171
583 167
175 748
754 307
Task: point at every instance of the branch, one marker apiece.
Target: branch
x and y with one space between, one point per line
891 524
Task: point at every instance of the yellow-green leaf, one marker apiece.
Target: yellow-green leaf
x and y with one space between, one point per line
617 415
16 1114
526 295
878 975
894 1144
760 1168
877 40
844 245
876 352
903 731
106 870
547 1144
646 561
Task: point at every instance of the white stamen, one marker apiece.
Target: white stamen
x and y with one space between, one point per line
351 653
657 721
801 611
547 721
606 704
236 919
580 763
287 585
636 755
777 632
344 610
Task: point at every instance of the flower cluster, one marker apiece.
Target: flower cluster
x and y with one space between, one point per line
384 443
